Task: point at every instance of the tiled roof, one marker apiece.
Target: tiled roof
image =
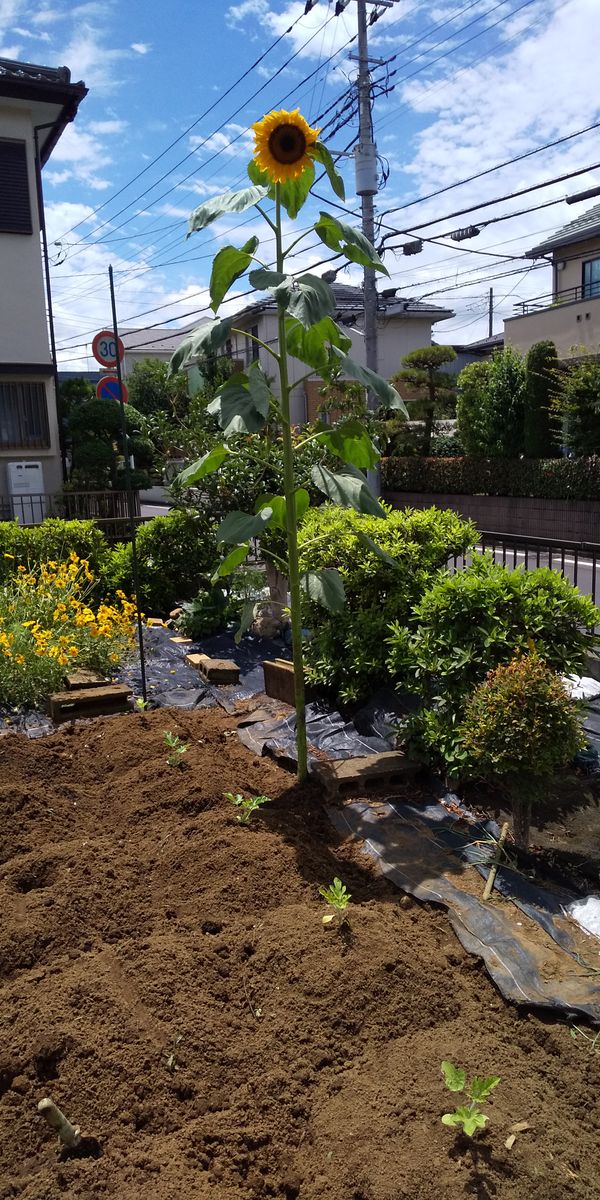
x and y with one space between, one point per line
50 89
153 339
350 302
585 226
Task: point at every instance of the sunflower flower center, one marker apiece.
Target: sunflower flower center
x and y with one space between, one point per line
287 144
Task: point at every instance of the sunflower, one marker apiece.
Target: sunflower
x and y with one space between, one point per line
282 141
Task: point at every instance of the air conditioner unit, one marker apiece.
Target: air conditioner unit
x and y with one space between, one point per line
26 492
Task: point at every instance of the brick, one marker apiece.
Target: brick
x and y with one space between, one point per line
279 680
155 623
85 679
89 702
181 641
214 670
364 774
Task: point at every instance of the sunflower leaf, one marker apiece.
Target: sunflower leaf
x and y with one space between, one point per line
370 379
228 202
309 300
278 507
204 340
293 192
227 266
311 345
238 527
337 235
321 154
236 556
350 442
348 488
206 465
238 407
325 587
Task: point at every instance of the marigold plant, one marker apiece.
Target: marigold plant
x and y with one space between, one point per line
47 626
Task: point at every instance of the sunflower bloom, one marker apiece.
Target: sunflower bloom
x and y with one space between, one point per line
282 141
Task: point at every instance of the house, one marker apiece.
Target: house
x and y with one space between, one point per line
403 325
570 315
153 342
474 352
36 105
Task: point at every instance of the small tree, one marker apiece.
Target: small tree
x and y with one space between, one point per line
540 430
96 443
579 400
435 390
504 414
520 727
153 390
471 408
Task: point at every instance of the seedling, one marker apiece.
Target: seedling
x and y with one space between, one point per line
247 805
468 1117
177 748
171 1057
337 895
140 704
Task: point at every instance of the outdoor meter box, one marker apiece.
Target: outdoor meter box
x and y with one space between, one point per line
26 492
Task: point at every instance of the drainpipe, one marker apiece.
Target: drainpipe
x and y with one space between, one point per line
42 223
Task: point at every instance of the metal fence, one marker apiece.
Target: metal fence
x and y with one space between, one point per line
579 562
110 510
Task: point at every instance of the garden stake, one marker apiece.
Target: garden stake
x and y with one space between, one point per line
70 1135
493 871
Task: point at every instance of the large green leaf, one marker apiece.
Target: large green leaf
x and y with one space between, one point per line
348 241
246 619
228 202
348 488
239 409
264 280
309 300
321 154
258 386
293 193
236 556
350 442
238 527
311 345
369 544
227 266
481 1088
211 461
454 1077
370 379
325 587
203 341
279 508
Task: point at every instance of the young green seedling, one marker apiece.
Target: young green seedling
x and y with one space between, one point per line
177 748
337 895
247 805
141 705
469 1117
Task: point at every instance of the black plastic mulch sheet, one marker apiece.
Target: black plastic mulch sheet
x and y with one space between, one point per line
423 852
372 730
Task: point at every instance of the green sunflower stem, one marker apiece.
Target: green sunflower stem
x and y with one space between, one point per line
289 489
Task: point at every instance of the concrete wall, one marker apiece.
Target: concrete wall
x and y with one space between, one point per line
564 520
574 327
573 257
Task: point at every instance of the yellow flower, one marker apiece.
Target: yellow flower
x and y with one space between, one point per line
19 659
9 556
282 141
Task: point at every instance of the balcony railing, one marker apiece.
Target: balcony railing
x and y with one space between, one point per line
525 308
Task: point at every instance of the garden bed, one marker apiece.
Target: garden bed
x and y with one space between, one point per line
144 930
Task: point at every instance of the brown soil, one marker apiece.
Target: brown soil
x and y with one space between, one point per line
166 978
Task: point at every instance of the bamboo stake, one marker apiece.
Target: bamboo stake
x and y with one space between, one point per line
493 871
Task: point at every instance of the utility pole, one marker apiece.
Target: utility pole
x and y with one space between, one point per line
491 314
365 161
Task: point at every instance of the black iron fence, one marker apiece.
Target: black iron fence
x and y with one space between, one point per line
579 562
110 510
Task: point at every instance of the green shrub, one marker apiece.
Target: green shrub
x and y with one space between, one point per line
549 478
51 541
472 622
347 651
176 554
541 427
520 726
580 402
205 614
470 407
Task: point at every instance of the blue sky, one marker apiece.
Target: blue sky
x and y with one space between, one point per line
472 83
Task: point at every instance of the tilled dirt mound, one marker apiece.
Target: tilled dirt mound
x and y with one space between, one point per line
166 978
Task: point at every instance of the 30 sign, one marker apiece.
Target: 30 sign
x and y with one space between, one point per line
106 348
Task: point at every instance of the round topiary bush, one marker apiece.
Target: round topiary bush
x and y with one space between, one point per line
176 556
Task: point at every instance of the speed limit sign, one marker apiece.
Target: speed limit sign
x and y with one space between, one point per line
106 348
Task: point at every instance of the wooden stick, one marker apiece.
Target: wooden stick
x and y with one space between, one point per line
493 871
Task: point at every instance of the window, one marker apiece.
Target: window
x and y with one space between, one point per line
591 278
15 206
23 417
254 348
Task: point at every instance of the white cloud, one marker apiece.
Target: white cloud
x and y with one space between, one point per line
47 16
235 140
141 47
107 127
238 13
84 155
28 33
9 52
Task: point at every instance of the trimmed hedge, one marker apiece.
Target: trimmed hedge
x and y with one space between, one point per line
549 478
52 540
176 556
